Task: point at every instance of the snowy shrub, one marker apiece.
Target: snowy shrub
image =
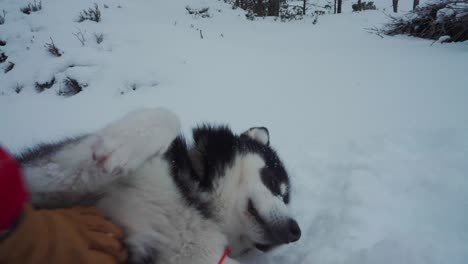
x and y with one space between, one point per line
18 88
3 57
2 43
288 13
361 6
70 87
9 67
40 87
93 14
52 49
446 19
322 10
32 7
99 38
201 12
2 17
258 8
250 15
319 12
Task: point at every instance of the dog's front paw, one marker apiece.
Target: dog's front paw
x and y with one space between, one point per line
126 144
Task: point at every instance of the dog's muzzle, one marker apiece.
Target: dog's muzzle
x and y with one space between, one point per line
287 233
281 234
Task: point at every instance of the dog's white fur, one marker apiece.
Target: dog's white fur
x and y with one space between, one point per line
153 212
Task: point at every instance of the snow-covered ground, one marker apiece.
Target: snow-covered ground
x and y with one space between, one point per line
373 130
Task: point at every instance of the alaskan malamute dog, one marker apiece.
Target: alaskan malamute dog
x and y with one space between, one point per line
177 203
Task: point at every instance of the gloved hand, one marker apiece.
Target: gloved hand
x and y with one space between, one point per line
73 235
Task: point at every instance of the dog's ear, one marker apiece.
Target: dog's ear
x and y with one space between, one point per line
259 134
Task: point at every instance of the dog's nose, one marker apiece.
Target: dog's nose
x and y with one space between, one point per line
288 232
294 231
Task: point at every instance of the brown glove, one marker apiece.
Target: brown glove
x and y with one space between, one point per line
75 235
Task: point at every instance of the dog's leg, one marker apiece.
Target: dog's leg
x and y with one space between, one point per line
83 165
125 145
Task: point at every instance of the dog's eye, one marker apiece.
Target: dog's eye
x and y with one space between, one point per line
271 182
253 211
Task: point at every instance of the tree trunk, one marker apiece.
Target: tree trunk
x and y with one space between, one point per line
415 4
304 7
340 2
273 8
259 8
395 6
334 7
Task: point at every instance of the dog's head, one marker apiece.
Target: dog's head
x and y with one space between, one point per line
248 185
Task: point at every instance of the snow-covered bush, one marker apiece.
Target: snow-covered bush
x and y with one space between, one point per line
200 12
2 42
364 6
93 14
250 15
70 87
290 12
52 49
40 87
443 19
32 7
18 88
9 67
99 38
3 57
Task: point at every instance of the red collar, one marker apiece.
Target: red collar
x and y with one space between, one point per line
225 253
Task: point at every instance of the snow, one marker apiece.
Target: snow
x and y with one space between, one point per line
443 13
373 130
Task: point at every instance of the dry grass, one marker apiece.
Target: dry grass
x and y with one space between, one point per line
52 49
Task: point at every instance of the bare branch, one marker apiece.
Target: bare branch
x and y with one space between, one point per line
80 36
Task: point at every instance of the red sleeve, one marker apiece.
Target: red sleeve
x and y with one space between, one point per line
13 193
